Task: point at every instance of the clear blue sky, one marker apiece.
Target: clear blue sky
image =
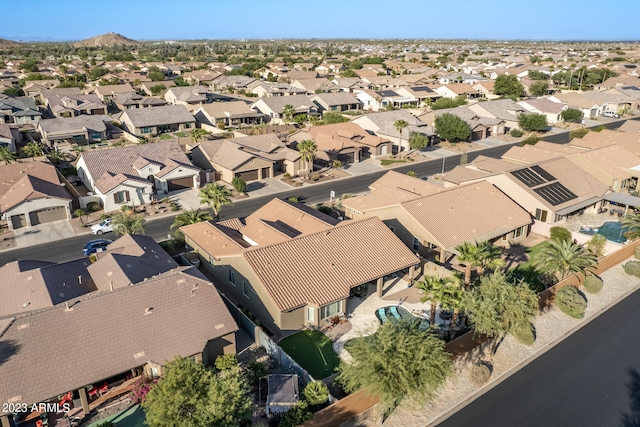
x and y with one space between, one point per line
267 19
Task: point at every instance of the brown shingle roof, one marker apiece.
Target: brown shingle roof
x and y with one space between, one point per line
28 181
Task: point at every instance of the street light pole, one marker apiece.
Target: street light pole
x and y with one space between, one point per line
443 160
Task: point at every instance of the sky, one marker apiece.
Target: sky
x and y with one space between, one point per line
72 20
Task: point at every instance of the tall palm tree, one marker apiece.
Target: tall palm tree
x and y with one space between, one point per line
470 254
400 125
197 133
308 149
127 224
564 258
192 216
432 287
216 196
631 223
6 156
490 257
451 299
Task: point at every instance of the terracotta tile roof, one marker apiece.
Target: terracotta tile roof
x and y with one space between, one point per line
405 182
109 333
28 181
265 143
297 216
216 239
225 153
613 160
530 154
263 233
462 174
163 115
478 211
322 267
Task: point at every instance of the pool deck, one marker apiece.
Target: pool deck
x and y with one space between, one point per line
591 220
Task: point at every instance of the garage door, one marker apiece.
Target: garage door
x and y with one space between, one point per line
47 215
248 175
18 221
476 135
180 184
346 157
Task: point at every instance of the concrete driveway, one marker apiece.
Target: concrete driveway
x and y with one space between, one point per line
363 167
267 186
44 233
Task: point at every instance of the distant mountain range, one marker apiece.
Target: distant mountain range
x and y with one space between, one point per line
8 43
109 39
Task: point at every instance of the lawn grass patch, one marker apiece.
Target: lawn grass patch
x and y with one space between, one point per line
387 162
528 272
313 350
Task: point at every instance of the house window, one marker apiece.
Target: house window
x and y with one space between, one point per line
311 312
146 129
416 243
245 289
541 215
518 232
143 190
330 309
155 373
232 277
187 125
121 197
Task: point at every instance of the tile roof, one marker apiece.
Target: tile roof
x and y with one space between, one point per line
613 160
322 267
298 216
50 352
218 110
337 98
28 181
162 115
67 124
277 103
225 153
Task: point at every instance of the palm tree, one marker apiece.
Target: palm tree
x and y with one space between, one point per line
490 257
432 287
451 299
192 216
471 255
127 224
400 125
216 196
631 223
307 149
6 156
33 150
563 258
197 133
287 114
55 156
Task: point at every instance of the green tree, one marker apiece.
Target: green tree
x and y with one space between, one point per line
333 117
539 88
490 257
80 213
124 223
418 141
470 254
56 156
560 234
451 298
6 156
400 125
564 258
287 114
216 196
308 150
533 122
497 307
508 86
631 223
157 89
537 75
452 128
399 361
596 244
197 134
444 103
573 115
239 184
33 150
30 66
13 91
571 302
192 216
156 76
229 399
316 393
432 287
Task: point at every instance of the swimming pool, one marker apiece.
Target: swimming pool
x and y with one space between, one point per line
387 314
612 230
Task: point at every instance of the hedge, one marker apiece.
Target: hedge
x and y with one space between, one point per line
593 284
524 334
632 268
571 302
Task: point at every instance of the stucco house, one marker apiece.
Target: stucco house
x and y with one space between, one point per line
77 130
153 121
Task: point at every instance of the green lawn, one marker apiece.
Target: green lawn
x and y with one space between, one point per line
165 136
313 351
528 272
387 162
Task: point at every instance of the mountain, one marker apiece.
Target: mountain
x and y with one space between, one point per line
110 39
8 43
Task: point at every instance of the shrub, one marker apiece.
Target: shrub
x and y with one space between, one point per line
286 175
480 374
571 302
336 164
412 174
324 209
530 140
524 334
592 284
314 177
293 199
174 206
316 393
239 184
516 133
560 234
93 206
255 371
632 268
226 361
636 252
578 133
345 196
296 415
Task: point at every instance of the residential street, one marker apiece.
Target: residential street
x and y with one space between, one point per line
592 378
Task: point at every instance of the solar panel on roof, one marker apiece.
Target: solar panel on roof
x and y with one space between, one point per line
528 177
555 193
543 173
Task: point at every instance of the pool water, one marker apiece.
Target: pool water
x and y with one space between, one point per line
612 230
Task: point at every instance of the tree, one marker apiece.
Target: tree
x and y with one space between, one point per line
563 258
596 244
56 156
489 258
239 184
127 224
332 117
157 89
418 141
192 216
539 88
197 134
573 115
6 156
432 287
443 103
30 66
497 307
451 298
470 254
452 128
80 213
316 393
631 223
13 91
216 196
287 114
400 361
508 86
560 234
308 149
33 150
533 122
400 125
156 76
189 394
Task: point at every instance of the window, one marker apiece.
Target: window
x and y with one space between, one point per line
416 243
155 373
121 197
245 289
518 232
541 215
311 312
146 129
187 125
143 190
232 277
330 309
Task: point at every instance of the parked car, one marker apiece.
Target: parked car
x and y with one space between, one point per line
104 227
610 114
93 246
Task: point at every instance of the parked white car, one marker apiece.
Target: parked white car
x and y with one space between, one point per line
104 227
610 114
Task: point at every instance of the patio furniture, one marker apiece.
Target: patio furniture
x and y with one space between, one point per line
394 313
382 314
103 388
93 392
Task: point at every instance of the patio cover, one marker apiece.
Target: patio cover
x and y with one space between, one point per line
579 205
283 392
623 199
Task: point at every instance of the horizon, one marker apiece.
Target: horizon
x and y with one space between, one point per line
332 20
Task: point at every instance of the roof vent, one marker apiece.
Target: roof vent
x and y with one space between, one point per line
148 310
26 304
219 326
23 326
139 355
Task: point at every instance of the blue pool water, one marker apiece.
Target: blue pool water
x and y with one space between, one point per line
612 230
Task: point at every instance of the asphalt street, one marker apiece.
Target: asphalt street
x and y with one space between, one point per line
591 378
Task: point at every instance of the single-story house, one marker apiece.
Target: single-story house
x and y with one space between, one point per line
336 101
229 114
77 130
106 93
273 106
382 125
131 101
153 121
19 110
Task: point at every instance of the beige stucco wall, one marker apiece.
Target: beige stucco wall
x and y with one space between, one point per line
36 205
136 196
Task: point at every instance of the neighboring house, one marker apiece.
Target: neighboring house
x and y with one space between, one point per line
263 89
227 114
459 89
540 152
424 94
351 84
614 166
33 88
122 334
106 93
130 101
9 136
76 130
314 86
382 125
428 217
292 266
273 106
550 109
146 86
469 79
131 175
326 68
189 95
157 120
58 91
201 77
75 105
630 127
21 111
481 127
249 158
589 108
486 88
502 109
31 194
336 101
232 82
